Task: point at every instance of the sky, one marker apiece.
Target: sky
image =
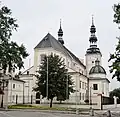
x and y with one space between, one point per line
38 17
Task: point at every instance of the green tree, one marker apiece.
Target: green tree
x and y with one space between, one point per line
58 78
115 57
11 54
115 92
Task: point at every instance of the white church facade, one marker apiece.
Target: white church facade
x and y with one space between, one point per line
89 79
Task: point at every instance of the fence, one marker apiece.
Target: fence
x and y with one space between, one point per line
73 101
15 99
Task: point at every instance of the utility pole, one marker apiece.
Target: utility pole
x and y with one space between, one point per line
67 88
47 80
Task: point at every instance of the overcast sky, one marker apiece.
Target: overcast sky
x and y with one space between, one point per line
38 17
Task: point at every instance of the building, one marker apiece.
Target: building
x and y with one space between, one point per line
90 79
13 90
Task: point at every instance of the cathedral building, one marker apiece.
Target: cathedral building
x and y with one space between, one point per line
89 79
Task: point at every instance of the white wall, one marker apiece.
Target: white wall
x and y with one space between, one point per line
15 88
71 65
28 88
103 87
98 75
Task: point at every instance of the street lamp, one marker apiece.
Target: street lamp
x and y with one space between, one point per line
47 80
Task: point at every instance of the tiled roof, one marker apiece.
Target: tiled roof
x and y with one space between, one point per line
50 42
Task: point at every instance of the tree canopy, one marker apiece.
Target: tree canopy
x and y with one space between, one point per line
115 92
11 54
115 57
60 84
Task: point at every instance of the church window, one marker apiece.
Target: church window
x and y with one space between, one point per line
83 96
13 86
95 86
80 84
42 56
80 96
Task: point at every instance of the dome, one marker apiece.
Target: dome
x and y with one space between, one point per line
97 69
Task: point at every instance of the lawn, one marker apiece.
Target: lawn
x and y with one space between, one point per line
21 106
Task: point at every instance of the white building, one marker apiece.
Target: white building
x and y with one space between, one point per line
89 78
13 89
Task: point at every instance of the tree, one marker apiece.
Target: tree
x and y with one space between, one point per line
115 92
11 54
115 57
58 78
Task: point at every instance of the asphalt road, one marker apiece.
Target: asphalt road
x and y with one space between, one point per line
48 114
35 114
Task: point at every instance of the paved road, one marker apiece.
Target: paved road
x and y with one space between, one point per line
48 114
34 114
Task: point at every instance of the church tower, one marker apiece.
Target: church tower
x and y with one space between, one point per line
93 52
60 35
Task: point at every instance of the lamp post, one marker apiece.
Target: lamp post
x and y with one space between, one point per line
47 80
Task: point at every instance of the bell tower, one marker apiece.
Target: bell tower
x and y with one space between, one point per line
93 52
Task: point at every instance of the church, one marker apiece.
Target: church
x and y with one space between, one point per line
88 75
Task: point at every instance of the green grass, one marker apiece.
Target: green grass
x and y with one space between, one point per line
23 106
20 106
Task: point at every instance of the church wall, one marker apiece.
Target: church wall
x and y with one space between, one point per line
80 87
71 65
103 87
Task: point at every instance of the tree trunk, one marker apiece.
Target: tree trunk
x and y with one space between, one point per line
51 103
60 101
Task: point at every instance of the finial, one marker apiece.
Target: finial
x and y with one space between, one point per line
92 19
60 23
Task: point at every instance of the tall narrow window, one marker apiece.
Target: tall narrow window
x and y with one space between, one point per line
80 84
83 96
80 96
13 86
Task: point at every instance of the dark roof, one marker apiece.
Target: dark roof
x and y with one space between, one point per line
16 79
50 42
27 70
97 69
93 50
